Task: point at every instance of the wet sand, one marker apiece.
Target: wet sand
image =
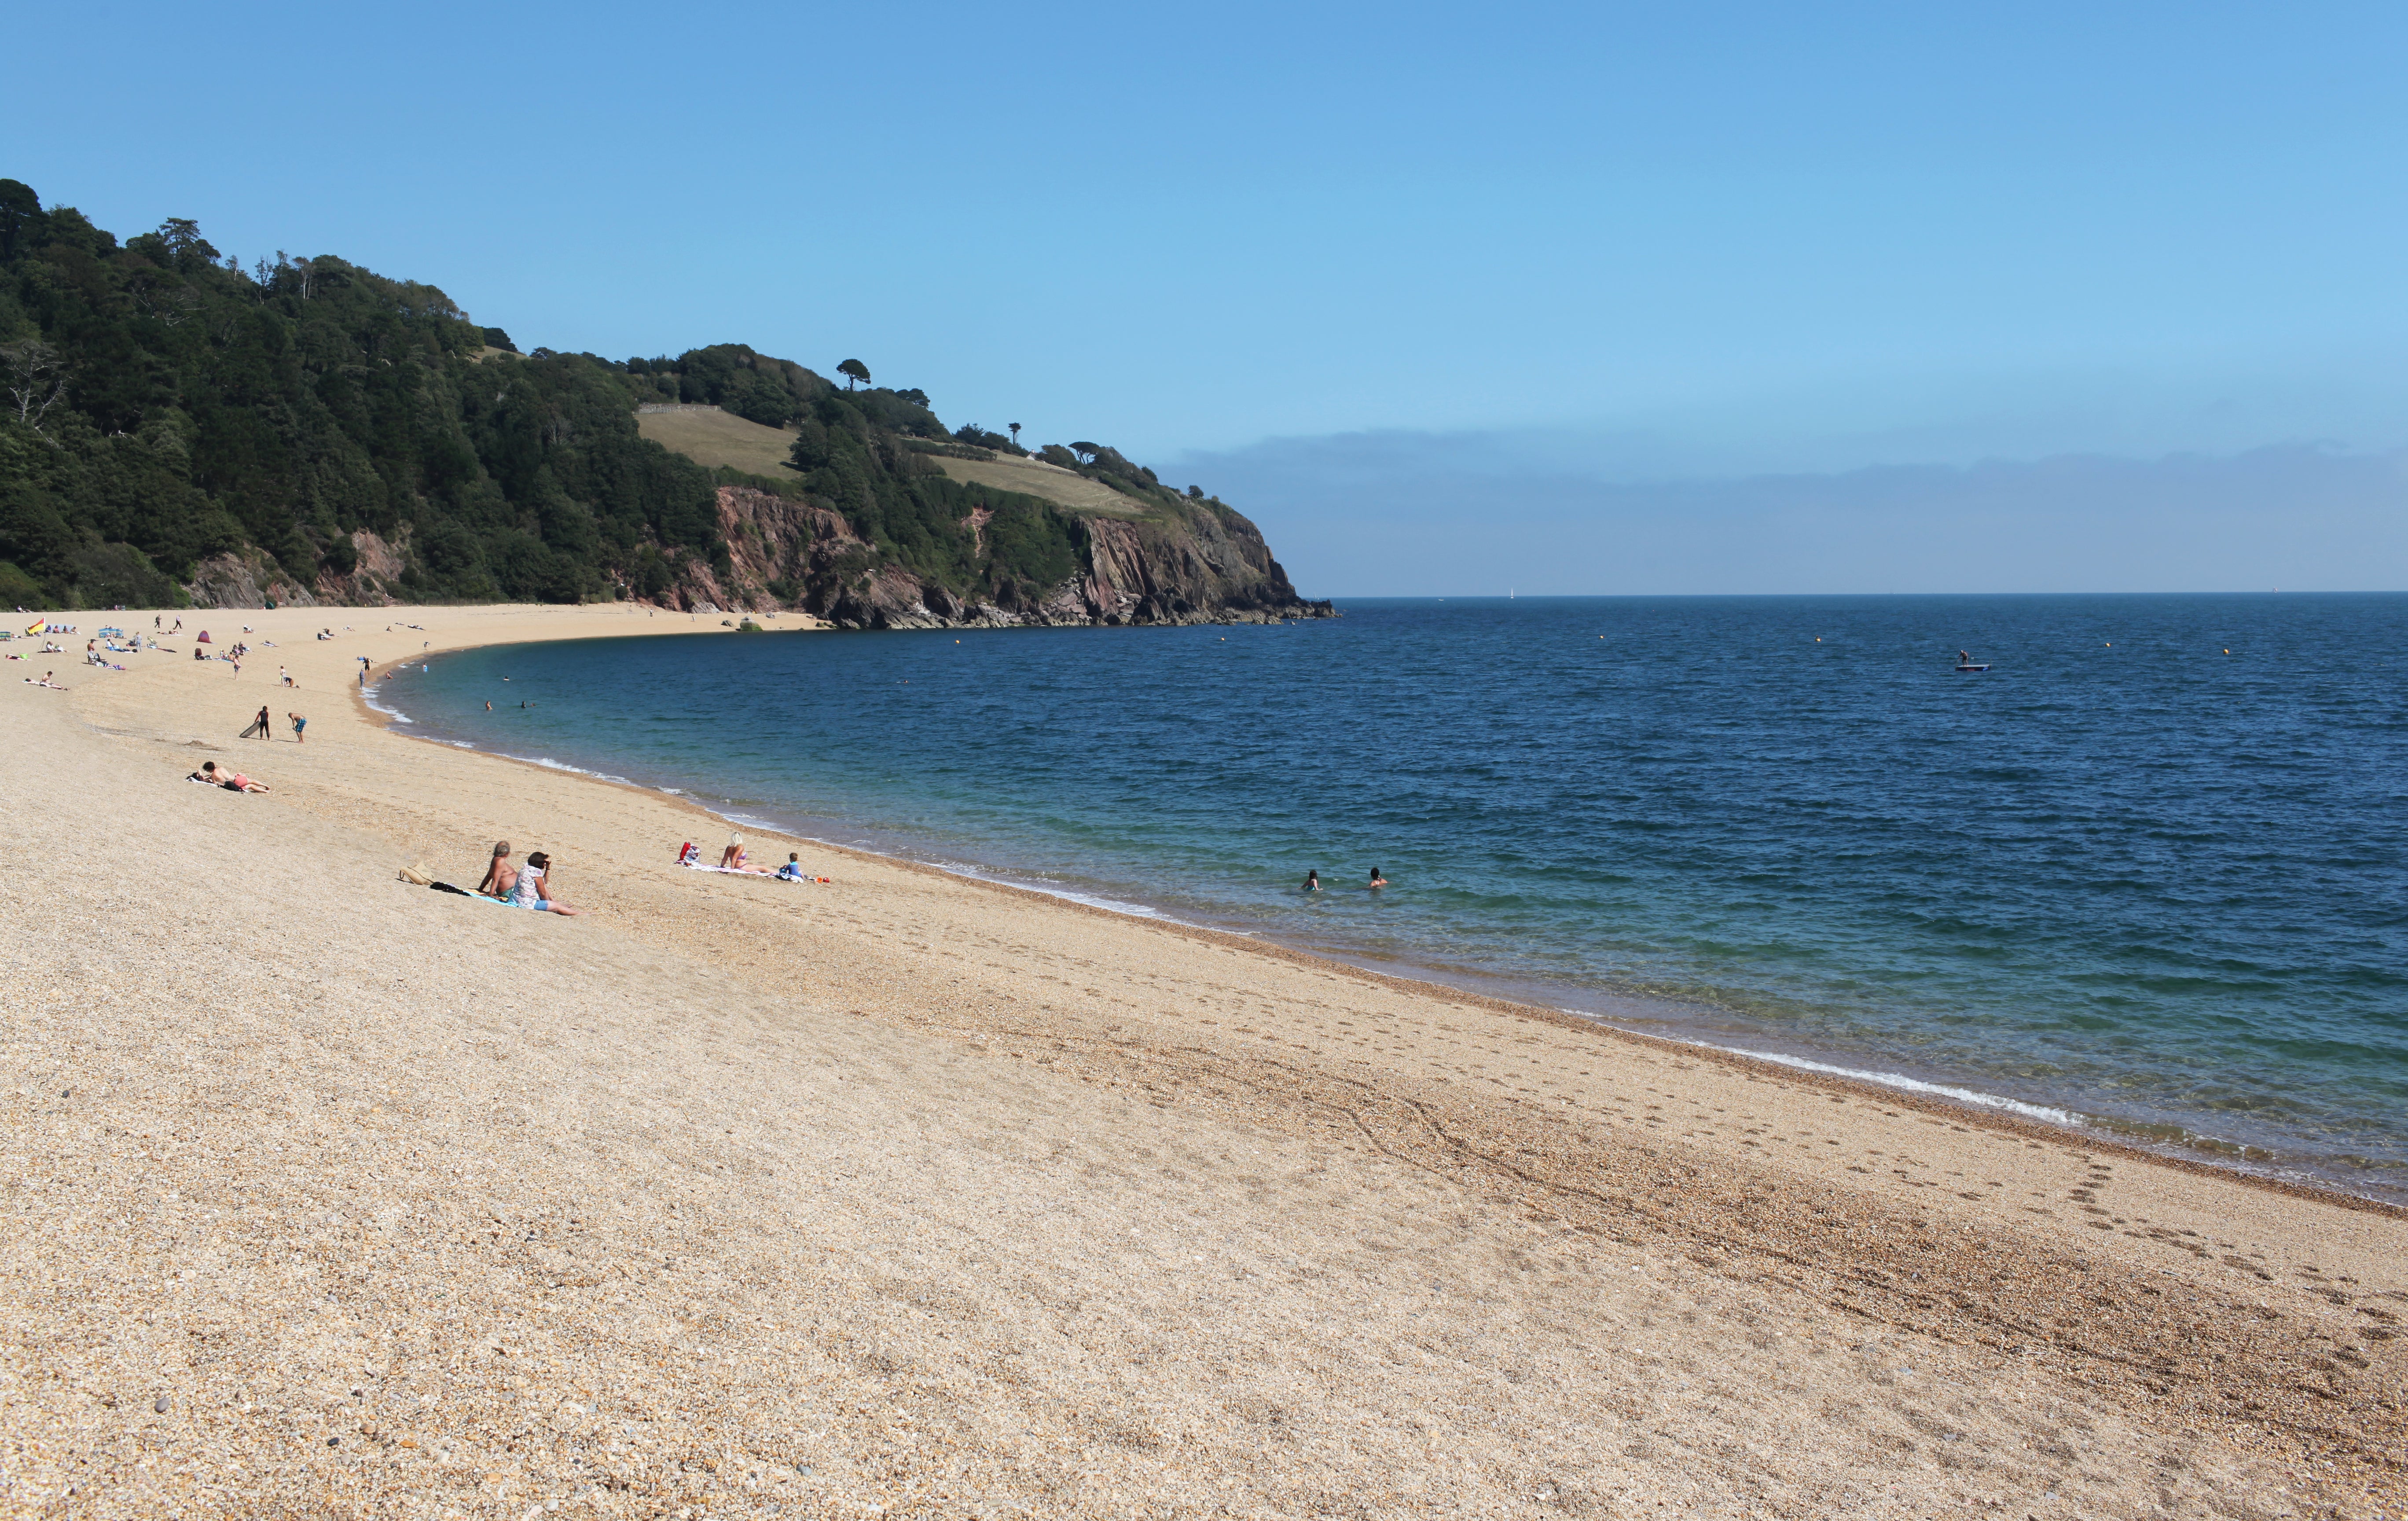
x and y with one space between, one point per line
330 1194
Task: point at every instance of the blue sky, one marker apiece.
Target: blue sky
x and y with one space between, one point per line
1625 246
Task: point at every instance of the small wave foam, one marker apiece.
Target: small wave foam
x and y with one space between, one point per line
1111 905
549 763
1888 1080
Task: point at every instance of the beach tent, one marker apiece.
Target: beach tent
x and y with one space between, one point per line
203 637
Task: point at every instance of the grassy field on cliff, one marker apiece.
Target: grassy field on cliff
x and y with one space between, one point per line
1034 477
718 438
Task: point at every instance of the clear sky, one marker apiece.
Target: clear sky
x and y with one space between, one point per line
1617 243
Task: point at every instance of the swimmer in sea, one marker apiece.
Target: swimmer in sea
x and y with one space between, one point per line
1377 882
1312 881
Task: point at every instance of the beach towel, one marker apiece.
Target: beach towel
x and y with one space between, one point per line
768 876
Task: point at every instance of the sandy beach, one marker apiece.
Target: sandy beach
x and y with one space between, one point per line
906 1194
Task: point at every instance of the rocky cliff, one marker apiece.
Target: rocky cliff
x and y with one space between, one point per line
1206 565
250 578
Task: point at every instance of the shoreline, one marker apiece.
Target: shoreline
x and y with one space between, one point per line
1929 1094
917 1190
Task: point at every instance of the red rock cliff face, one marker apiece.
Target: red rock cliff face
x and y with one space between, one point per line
1212 567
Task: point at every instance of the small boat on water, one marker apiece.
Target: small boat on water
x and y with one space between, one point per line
1968 666
1973 668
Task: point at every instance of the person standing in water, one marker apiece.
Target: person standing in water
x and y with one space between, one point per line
1312 881
1377 882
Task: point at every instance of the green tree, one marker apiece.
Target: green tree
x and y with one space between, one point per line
853 371
21 214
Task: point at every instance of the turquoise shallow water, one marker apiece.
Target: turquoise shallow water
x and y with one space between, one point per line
2147 870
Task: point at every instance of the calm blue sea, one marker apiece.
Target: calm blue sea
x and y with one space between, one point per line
2146 871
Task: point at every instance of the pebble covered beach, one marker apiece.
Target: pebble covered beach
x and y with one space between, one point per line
328 1194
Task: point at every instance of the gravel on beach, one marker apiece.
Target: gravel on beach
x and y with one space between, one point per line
328 1194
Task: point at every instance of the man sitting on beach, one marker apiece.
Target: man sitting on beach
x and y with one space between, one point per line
500 875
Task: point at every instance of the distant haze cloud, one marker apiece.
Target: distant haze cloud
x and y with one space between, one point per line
1434 515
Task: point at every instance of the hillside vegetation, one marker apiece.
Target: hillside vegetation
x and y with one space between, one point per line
722 439
312 430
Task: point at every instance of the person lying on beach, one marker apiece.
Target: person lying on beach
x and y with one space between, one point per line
734 857
499 874
531 891
1377 880
230 780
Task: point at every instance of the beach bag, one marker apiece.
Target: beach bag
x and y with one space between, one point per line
418 875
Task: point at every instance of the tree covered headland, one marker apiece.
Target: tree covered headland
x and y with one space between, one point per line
163 405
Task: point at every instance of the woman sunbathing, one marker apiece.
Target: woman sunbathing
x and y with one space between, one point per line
737 858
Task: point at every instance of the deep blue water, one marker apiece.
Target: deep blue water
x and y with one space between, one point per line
2148 870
